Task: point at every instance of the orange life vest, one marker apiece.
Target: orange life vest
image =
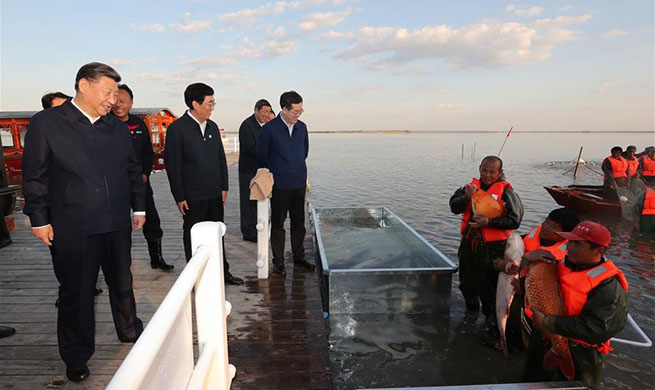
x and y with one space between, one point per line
489 234
576 285
619 167
634 166
532 242
649 202
649 166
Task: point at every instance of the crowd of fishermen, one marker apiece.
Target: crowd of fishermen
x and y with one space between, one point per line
592 289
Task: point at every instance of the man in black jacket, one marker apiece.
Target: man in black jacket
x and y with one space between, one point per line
143 150
80 178
248 165
196 166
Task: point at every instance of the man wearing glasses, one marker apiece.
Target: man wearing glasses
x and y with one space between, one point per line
283 148
196 166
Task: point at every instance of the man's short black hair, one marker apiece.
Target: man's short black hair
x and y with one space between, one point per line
46 100
492 158
616 149
288 98
196 92
565 218
94 71
631 147
127 89
262 103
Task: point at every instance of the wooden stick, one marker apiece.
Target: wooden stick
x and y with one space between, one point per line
506 137
577 162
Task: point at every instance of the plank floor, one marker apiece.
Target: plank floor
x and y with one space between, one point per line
276 332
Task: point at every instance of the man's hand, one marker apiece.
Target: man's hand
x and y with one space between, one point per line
224 193
516 285
613 186
507 266
540 255
138 221
182 207
45 234
479 222
469 190
538 321
144 178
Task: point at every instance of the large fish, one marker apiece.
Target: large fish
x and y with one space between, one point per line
543 294
514 250
485 205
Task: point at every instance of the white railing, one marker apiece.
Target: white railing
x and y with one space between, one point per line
230 143
163 358
263 233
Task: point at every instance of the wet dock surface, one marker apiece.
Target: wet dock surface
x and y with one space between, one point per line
276 332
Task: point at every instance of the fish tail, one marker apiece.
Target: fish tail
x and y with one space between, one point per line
565 363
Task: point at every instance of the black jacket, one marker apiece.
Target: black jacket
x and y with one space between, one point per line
142 143
248 134
195 165
79 177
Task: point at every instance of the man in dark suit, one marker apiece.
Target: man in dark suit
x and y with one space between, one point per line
196 166
80 179
144 153
283 147
248 165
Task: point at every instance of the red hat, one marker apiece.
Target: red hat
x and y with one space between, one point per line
589 231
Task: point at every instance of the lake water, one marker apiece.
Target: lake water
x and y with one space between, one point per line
415 175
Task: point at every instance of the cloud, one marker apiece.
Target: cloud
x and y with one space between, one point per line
119 62
250 15
154 27
526 12
614 33
485 44
604 87
273 45
209 62
446 106
152 76
191 26
319 21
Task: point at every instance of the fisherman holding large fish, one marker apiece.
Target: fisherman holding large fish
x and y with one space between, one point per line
576 306
490 210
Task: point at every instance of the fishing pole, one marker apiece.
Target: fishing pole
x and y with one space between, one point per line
506 137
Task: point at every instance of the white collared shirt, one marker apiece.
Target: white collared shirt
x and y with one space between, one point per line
89 117
288 125
202 125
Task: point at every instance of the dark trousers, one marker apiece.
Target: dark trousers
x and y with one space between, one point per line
199 211
291 202
76 262
152 228
4 231
247 207
477 276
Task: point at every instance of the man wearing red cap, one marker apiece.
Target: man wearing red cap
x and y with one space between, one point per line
594 293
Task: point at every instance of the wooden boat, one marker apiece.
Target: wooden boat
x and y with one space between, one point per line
586 199
13 125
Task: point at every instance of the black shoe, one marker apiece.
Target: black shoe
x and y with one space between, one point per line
77 374
57 303
233 280
251 239
279 268
304 264
5 242
472 310
156 258
6 331
98 291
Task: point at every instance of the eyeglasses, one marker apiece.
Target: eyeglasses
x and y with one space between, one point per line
211 104
296 113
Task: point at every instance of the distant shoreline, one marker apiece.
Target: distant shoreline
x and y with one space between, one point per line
469 132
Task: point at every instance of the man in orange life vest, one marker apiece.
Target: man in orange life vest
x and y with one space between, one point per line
594 292
483 239
633 162
542 243
647 166
645 210
616 169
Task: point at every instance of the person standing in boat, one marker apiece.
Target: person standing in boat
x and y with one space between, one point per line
143 149
283 147
80 179
633 162
248 165
197 168
483 240
645 209
616 169
647 166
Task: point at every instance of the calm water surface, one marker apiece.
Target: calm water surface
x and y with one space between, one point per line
415 175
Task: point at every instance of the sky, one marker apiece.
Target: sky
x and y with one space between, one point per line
359 64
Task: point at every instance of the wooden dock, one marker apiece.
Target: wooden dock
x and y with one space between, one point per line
276 332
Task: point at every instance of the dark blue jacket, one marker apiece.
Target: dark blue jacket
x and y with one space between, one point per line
284 155
80 178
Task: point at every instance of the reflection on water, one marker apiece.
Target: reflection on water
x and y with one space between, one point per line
415 175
